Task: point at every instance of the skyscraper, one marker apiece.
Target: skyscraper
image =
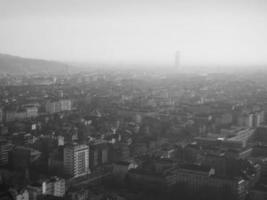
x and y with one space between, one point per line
177 60
76 160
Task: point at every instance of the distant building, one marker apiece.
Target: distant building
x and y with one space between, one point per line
1 115
65 105
253 119
22 195
258 193
12 115
54 186
55 161
260 135
99 154
31 112
121 168
120 151
35 190
240 136
42 80
21 157
258 118
259 150
238 153
76 160
245 120
78 194
223 119
233 138
60 140
5 147
262 161
58 106
21 114
151 179
3 129
218 162
198 177
6 195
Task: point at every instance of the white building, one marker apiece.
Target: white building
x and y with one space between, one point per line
58 106
65 105
54 186
31 112
76 160
23 195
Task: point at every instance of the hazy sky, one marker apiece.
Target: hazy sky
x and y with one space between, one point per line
204 31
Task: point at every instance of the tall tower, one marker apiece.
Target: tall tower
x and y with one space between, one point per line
76 160
177 60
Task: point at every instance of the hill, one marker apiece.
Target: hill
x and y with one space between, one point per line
18 65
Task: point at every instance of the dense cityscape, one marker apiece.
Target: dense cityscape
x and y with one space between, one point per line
133 100
133 134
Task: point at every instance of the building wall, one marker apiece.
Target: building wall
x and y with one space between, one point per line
13 115
20 158
31 112
23 195
34 191
76 160
196 181
258 195
58 106
60 188
1 115
99 155
55 186
69 161
5 147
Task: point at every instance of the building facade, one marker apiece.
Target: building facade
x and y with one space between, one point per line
54 186
76 160
58 106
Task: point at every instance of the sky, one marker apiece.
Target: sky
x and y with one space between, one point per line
205 32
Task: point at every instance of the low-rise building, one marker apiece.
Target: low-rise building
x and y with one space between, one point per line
198 177
58 106
54 186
